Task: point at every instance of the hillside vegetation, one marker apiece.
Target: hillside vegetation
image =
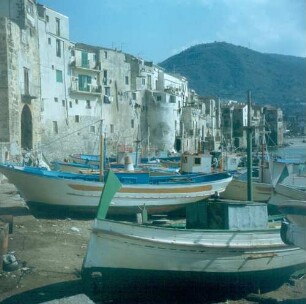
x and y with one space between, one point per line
228 71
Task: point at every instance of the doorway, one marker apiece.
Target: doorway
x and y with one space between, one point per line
26 128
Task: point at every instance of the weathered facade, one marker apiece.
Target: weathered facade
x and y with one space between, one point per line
275 127
59 97
20 78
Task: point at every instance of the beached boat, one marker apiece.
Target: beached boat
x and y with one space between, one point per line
73 167
271 174
291 187
237 190
80 192
293 229
233 246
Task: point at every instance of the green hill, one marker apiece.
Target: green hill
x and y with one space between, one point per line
229 71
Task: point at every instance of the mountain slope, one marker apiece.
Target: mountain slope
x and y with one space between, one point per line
228 71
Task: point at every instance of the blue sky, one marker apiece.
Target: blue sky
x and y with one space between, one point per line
158 29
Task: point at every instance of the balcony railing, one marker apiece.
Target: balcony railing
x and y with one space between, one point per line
88 89
90 65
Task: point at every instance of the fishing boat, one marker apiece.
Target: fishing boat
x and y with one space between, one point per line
73 167
221 242
293 229
240 248
81 192
237 190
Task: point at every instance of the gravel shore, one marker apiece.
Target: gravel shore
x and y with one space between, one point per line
50 253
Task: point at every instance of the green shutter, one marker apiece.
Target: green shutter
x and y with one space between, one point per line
85 60
59 76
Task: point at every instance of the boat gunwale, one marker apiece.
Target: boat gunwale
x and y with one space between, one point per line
279 247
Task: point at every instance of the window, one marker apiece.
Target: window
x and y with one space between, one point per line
112 128
134 96
30 8
172 99
47 18
59 76
143 81
49 41
70 104
88 104
149 81
55 99
55 127
63 102
105 77
77 118
158 98
92 129
26 81
197 161
107 91
132 123
85 62
105 54
58 27
84 82
126 80
58 48
76 101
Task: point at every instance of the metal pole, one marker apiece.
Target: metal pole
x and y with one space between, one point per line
263 147
101 153
249 151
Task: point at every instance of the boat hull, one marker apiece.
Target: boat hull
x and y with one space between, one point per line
116 247
285 192
237 190
45 189
293 231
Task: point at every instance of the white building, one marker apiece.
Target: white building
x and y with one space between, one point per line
60 96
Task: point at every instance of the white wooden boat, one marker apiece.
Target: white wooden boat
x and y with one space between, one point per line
293 229
73 167
237 190
273 184
80 192
116 248
245 251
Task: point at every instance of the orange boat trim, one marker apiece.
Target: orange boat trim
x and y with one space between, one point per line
145 190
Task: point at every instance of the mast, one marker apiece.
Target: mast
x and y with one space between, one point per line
263 147
249 151
101 153
137 147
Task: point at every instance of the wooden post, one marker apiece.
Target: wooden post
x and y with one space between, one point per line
4 229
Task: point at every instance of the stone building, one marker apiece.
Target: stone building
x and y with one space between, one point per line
20 78
61 96
274 126
58 97
234 123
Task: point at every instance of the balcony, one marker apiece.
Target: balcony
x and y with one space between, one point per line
89 89
87 66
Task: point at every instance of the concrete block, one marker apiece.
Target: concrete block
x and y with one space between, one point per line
77 299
